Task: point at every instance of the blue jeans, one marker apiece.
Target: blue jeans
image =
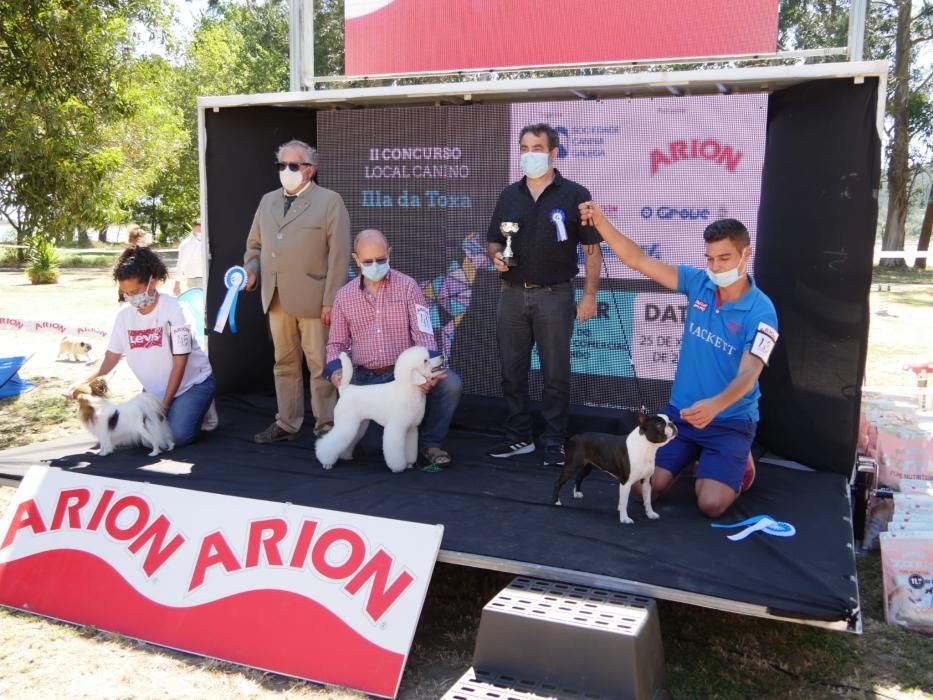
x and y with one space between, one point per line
187 411
439 409
525 317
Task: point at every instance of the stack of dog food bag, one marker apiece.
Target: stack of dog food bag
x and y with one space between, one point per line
898 436
907 557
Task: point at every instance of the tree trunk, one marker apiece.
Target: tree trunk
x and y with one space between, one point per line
900 143
102 234
924 243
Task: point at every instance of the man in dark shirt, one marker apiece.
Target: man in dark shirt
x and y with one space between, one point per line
536 302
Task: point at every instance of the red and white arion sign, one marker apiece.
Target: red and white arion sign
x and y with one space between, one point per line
324 595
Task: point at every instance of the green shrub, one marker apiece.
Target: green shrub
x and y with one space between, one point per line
9 257
78 260
43 262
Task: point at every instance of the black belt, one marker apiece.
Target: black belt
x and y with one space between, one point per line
535 285
379 370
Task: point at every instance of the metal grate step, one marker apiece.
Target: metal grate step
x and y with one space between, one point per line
481 685
574 641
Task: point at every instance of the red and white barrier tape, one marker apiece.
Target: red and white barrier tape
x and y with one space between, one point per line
31 325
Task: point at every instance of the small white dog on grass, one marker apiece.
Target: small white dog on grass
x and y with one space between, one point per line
398 406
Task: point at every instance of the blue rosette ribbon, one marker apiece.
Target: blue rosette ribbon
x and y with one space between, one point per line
759 523
557 217
235 279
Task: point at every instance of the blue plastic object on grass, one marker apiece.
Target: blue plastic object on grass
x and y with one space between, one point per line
11 384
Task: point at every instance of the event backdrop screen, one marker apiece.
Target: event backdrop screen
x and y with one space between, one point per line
662 169
402 36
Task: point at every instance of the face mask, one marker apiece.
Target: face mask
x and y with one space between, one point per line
724 279
290 180
141 300
535 164
376 271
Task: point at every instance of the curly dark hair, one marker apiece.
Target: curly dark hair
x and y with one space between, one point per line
139 262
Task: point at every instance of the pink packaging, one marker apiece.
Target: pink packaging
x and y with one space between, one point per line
907 565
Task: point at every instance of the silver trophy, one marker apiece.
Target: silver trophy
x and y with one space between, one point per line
509 229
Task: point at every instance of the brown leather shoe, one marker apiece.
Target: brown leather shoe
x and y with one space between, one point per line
323 430
275 433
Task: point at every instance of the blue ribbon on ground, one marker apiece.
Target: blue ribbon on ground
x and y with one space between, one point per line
759 523
235 280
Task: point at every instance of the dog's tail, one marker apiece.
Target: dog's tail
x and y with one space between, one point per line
346 370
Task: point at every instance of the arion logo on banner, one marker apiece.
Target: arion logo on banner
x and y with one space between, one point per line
708 149
215 575
400 36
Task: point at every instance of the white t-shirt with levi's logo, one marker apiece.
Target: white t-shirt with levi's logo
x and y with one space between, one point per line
149 341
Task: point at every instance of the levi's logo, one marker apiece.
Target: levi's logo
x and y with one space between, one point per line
147 338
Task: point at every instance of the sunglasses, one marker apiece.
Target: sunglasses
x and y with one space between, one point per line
291 166
373 261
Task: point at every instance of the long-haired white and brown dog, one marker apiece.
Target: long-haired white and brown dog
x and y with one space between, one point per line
398 406
139 421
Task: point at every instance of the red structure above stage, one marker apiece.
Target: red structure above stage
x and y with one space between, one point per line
409 36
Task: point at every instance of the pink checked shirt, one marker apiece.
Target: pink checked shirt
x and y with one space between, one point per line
375 330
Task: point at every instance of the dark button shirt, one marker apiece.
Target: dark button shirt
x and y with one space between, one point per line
541 257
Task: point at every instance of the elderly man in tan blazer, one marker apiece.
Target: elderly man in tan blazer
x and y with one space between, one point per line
299 245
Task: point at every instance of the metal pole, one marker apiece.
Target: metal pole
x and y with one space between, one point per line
307 45
294 45
857 29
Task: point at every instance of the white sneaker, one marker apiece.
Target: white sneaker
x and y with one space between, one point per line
211 419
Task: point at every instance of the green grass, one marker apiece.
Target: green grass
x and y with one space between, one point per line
902 275
27 417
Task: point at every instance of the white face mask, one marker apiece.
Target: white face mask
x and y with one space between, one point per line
535 164
727 277
290 180
142 300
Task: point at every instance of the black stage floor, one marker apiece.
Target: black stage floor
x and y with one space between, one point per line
496 515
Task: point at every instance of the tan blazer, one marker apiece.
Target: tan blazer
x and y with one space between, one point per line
304 254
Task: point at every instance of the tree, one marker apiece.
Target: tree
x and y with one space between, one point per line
896 31
236 48
64 69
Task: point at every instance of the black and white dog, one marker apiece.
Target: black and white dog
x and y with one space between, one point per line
628 459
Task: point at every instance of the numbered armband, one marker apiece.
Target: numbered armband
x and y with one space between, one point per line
424 319
763 342
180 336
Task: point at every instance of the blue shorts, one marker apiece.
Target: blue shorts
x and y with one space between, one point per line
721 448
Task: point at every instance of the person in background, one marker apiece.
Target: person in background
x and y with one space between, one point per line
136 235
299 244
189 268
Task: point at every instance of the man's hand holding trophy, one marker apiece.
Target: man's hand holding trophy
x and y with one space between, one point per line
509 229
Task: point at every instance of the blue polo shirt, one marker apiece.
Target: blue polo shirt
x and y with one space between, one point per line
715 338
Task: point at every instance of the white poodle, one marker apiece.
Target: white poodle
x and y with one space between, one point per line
398 406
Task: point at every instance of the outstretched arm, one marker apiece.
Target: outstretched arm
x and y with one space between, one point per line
626 249
701 414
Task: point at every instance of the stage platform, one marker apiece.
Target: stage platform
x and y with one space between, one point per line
497 515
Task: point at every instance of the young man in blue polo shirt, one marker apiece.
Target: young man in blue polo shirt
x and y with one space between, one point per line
729 332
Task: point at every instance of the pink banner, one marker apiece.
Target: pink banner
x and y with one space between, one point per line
401 36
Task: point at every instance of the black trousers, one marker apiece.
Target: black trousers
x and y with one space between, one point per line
542 315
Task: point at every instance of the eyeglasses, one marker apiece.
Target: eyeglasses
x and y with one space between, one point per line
291 166
373 261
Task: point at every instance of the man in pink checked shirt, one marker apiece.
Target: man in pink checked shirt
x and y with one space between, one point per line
374 319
